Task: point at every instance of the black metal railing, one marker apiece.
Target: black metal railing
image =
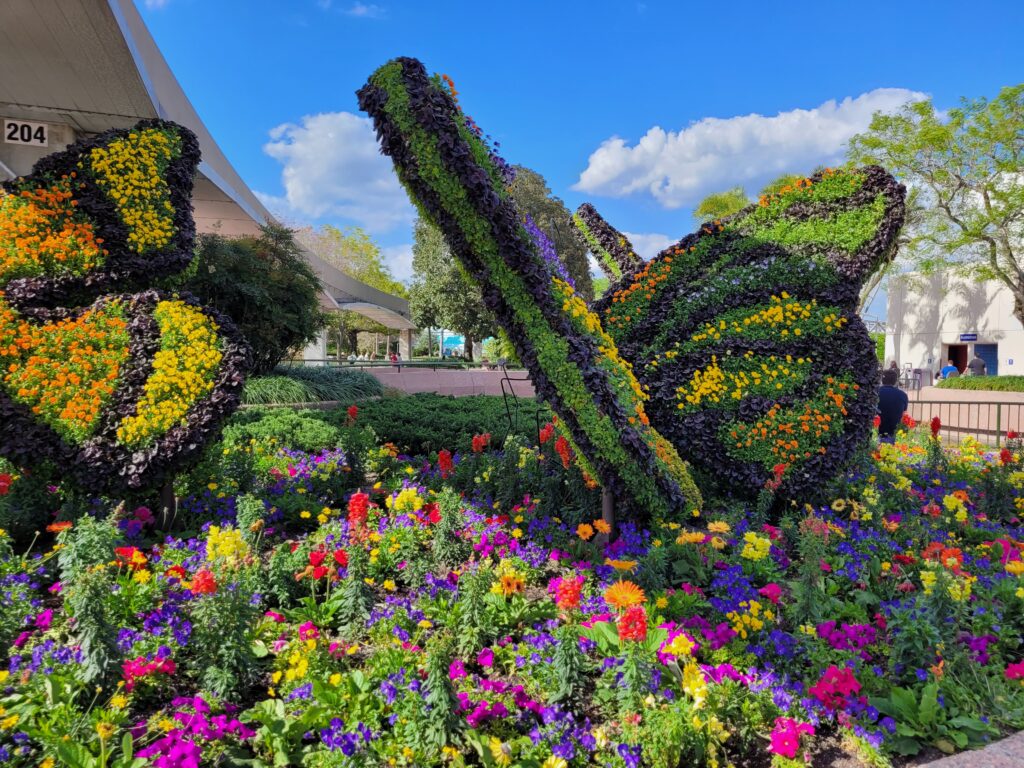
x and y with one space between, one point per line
987 422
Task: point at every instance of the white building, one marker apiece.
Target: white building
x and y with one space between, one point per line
932 319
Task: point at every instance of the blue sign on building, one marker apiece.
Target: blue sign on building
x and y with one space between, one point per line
968 337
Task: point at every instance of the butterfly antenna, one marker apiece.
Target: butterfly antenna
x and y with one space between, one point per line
611 248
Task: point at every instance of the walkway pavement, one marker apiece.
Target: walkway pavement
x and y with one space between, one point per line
1006 753
449 382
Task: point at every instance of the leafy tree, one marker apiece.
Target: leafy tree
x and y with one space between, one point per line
265 285
533 197
967 171
721 204
353 252
442 296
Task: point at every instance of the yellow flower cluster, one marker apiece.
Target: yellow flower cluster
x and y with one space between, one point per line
130 171
713 384
183 372
695 684
225 544
406 500
755 547
784 315
956 506
576 308
750 620
681 645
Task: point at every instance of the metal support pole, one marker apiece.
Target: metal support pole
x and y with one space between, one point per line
999 423
608 508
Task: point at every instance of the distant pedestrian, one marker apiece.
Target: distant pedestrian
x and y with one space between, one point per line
892 404
949 371
977 366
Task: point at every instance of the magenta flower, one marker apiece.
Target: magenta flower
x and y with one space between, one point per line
485 658
785 736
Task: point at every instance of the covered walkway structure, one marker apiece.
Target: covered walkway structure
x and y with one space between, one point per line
72 68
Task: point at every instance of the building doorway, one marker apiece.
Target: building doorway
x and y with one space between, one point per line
958 354
990 354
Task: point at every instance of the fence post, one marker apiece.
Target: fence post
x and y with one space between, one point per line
999 423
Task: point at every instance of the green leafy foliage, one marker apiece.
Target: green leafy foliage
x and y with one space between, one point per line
984 383
311 385
265 285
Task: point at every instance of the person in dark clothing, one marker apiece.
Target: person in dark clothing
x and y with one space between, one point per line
977 366
892 404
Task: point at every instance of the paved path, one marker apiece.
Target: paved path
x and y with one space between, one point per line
1007 753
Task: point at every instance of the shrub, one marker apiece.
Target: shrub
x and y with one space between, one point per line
425 423
987 383
299 430
311 385
265 285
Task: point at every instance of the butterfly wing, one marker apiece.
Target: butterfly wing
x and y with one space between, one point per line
460 185
123 391
746 334
109 212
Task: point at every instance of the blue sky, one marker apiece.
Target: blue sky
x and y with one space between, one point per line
640 107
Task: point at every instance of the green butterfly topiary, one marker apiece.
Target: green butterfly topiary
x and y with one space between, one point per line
737 350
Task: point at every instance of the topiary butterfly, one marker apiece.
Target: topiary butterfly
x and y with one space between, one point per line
725 350
746 333
121 391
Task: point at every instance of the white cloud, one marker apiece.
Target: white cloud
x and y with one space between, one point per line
364 11
332 167
648 245
679 167
399 259
155 5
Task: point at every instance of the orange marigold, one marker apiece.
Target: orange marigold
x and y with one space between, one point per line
623 594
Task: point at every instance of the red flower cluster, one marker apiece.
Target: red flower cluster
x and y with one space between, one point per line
908 421
546 432
353 413
204 582
950 558
936 426
444 462
358 511
834 687
1006 456
130 557
480 442
318 570
133 669
632 624
5 484
567 592
563 450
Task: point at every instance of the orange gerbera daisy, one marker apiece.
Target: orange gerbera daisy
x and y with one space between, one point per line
623 594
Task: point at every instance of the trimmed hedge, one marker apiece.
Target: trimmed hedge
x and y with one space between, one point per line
417 424
989 383
311 385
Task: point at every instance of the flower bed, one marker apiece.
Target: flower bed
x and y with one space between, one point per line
467 609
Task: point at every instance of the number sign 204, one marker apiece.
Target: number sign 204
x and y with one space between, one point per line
22 132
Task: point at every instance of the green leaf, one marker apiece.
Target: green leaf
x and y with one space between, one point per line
929 707
905 703
904 745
